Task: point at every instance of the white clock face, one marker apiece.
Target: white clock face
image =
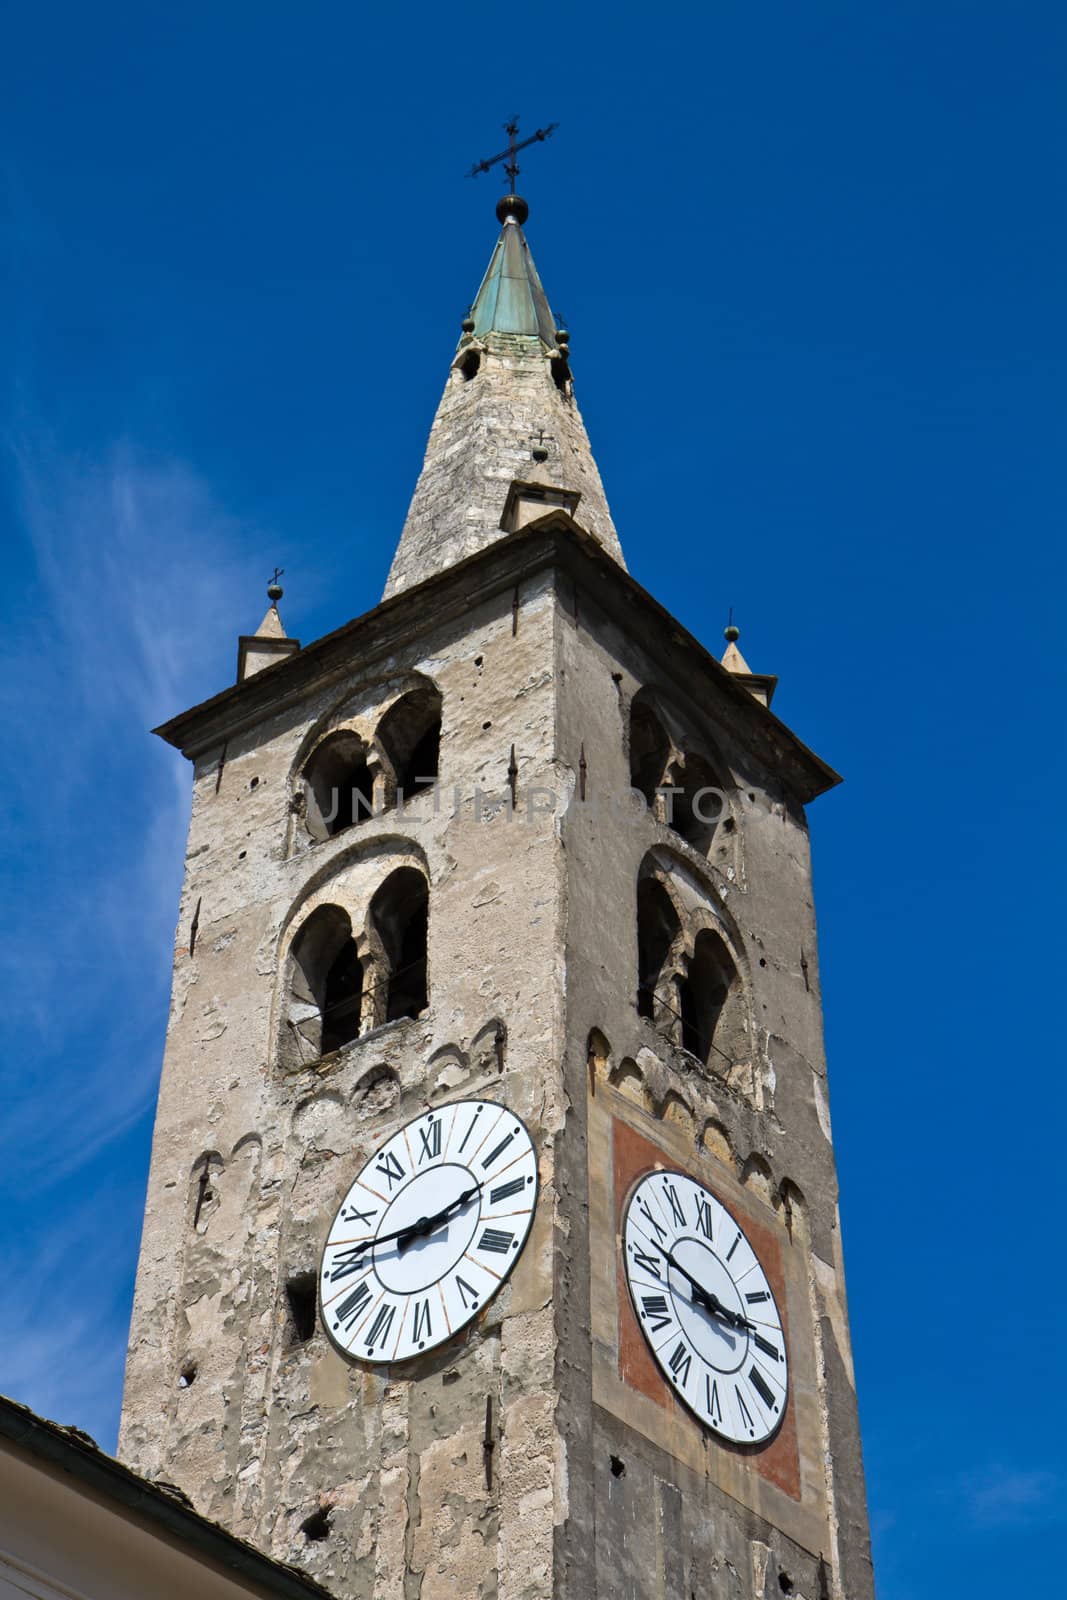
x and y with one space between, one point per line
428 1232
705 1307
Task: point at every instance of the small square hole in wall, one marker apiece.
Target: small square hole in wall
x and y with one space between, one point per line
300 1293
618 1467
317 1526
187 1376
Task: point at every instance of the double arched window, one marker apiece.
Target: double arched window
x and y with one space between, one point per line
681 784
351 775
344 978
688 984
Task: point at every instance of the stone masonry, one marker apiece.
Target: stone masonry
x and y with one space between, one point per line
537 1456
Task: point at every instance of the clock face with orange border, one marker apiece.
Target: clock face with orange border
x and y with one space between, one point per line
705 1307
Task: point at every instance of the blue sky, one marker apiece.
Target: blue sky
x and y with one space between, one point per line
812 260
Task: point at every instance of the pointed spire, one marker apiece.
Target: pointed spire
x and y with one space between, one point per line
511 298
507 430
759 684
270 642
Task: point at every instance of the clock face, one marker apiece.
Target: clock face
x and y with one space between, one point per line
705 1307
428 1232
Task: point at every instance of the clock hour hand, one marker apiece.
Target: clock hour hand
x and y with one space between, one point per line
425 1225
421 1227
704 1297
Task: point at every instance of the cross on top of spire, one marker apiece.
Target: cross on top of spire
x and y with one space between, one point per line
511 166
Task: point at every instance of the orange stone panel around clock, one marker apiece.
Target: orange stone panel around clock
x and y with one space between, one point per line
633 1157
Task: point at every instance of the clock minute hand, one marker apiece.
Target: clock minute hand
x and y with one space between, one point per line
704 1297
425 1225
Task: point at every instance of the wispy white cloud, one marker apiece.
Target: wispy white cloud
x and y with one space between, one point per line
1000 1495
136 568
132 569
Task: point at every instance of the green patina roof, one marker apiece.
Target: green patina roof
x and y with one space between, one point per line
511 299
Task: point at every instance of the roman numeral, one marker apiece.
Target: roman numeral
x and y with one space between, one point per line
675 1204
353 1214
501 1147
757 1297
650 1263
712 1407
496 1240
506 1190
390 1168
464 1290
379 1328
762 1387
431 1142
655 1306
745 1412
733 1247
347 1262
703 1223
351 1306
680 1362
423 1329
768 1349
642 1206
470 1130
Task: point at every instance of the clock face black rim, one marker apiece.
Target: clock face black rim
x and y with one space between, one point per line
451 1194
727 1376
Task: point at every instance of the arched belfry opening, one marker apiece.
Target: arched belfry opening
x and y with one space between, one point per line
650 750
698 806
704 1000
409 739
680 782
338 785
659 933
324 992
398 927
688 983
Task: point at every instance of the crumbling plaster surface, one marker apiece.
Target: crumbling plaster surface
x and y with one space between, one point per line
531 942
480 441
272 1430
761 1123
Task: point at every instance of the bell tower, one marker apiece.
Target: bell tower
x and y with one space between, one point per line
491 1249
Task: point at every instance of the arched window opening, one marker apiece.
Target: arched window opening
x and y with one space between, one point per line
338 785
703 995
697 811
468 363
409 736
650 750
324 1002
342 999
657 930
399 916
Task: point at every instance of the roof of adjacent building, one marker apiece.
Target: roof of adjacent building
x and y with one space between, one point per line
161 1506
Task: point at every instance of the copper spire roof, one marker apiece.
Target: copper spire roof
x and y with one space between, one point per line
511 298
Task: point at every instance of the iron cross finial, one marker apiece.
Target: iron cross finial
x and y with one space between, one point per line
511 167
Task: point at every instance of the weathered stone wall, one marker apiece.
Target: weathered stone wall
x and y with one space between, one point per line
482 438
598 1486
272 1430
683 1513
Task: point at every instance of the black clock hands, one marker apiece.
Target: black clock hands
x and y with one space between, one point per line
704 1297
424 1225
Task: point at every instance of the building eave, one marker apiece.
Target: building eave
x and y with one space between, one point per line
552 540
70 1451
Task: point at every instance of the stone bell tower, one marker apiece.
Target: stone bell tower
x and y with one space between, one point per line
515 838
